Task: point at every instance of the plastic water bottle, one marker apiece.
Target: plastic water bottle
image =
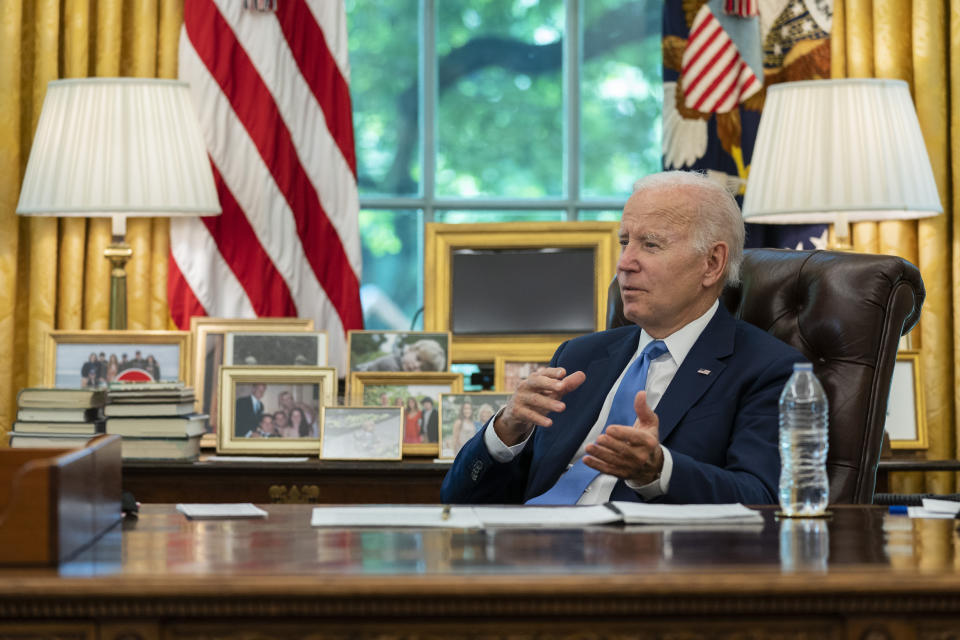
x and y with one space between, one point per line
804 489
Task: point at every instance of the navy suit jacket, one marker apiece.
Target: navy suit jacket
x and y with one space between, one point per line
718 417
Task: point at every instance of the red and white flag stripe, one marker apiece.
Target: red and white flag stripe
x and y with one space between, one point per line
715 76
742 8
271 92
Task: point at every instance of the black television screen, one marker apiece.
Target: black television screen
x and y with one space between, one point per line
510 291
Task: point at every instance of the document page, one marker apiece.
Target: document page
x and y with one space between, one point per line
221 511
642 513
523 516
395 516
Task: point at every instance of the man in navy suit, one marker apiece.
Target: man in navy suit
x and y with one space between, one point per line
704 409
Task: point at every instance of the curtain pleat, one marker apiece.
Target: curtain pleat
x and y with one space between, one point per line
909 41
52 271
930 62
11 20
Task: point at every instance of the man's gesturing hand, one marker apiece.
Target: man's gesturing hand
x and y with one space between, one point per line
632 453
536 396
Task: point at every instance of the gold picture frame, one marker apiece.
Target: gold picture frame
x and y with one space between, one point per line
421 386
201 330
442 240
452 437
277 382
361 433
906 420
61 348
507 372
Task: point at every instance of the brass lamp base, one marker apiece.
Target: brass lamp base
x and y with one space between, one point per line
118 252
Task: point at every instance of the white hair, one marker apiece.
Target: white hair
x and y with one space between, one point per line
715 216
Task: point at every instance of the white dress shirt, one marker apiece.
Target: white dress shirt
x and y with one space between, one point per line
659 375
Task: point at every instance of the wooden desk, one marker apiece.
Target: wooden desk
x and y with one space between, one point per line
866 574
314 481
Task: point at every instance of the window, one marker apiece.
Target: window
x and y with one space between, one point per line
494 111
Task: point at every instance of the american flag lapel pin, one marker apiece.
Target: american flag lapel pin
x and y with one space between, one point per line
703 372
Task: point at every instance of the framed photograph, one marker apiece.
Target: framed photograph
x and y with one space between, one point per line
209 343
463 414
409 351
520 287
418 394
906 422
508 373
276 348
273 410
97 358
361 433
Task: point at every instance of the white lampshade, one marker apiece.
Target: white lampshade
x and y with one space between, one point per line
118 147
833 149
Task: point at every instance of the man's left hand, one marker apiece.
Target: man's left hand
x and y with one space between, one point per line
631 453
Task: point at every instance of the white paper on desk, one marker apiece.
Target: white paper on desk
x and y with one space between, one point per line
257 459
941 506
643 513
394 516
920 512
221 511
524 516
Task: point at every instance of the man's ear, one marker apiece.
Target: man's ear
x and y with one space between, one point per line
716 263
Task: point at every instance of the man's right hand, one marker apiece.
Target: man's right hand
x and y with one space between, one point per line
536 396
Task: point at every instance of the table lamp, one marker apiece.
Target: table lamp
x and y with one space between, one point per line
839 151
118 148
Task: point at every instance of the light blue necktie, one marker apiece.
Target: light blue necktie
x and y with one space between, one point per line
572 484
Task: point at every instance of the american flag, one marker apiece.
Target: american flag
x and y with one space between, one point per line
271 90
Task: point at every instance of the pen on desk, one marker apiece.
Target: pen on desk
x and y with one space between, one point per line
898 509
445 514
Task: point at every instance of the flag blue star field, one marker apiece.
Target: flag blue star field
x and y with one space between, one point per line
718 56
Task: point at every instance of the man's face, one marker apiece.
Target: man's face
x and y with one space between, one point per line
427 405
259 389
266 424
663 281
280 419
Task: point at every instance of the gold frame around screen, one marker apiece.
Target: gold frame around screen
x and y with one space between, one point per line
230 376
920 413
443 239
93 337
360 379
203 326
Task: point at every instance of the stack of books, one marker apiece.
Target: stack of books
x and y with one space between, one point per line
57 418
156 420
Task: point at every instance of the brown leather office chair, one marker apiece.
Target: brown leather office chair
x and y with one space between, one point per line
845 312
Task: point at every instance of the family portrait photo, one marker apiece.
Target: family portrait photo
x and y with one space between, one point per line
398 351
361 433
508 374
209 352
418 395
97 365
276 411
462 415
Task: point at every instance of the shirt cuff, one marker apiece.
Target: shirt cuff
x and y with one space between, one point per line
661 485
495 446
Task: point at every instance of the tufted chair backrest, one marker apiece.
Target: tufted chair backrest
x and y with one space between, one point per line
845 312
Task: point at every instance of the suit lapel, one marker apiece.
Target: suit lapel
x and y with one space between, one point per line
562 440
700 368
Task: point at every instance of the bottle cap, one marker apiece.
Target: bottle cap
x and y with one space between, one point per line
803 366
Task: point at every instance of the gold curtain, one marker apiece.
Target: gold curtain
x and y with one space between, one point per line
914 41
52 272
